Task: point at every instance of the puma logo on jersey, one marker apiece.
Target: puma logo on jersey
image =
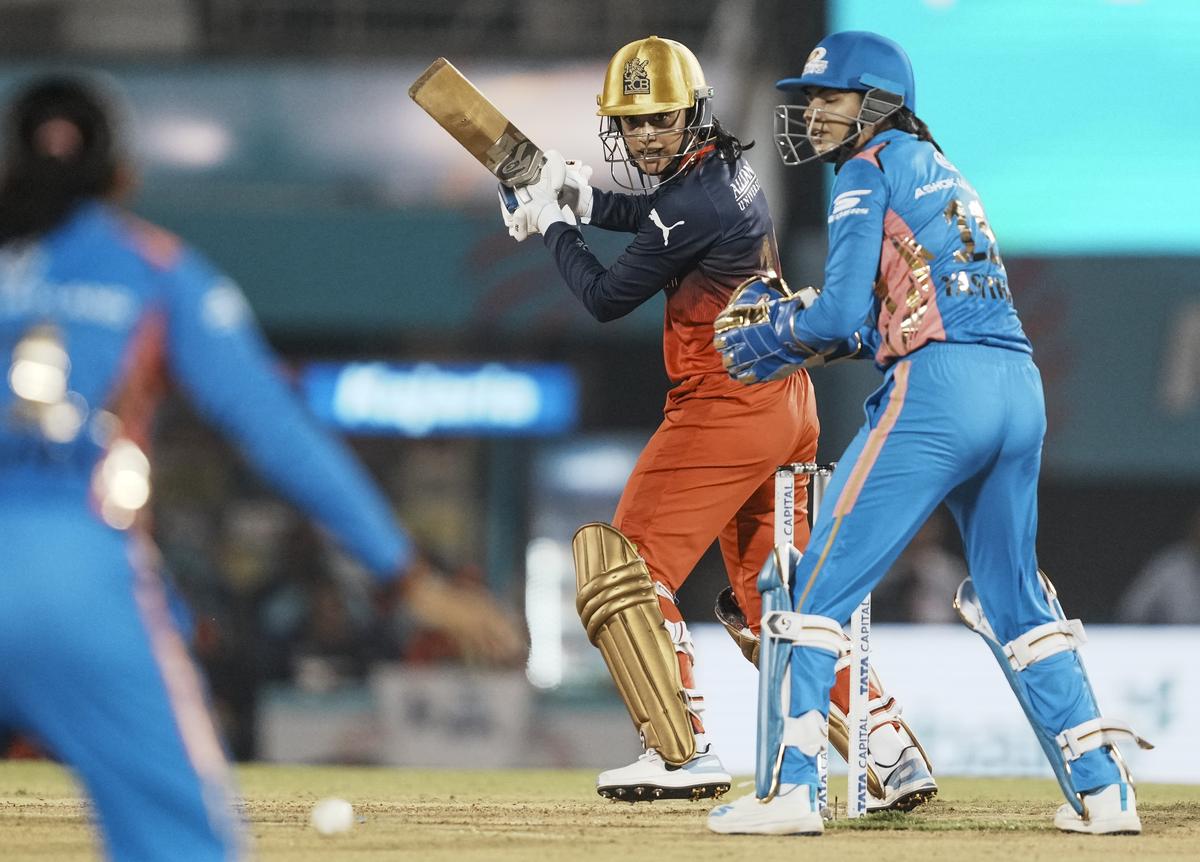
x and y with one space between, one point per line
666 229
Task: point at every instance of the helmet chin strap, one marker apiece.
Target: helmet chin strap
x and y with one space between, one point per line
652 181
877 105
841 151
841 154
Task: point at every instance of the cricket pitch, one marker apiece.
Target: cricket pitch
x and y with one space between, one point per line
550 815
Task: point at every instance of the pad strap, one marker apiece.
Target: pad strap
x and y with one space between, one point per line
1044 641
882 710
1098 732
810 630
681 638
807 733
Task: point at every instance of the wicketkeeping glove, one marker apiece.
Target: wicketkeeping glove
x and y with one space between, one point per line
753 333
533 208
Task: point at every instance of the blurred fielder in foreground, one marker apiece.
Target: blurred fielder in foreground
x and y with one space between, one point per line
95 308
914 267
702 227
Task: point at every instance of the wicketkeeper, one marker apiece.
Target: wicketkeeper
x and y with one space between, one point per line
914 270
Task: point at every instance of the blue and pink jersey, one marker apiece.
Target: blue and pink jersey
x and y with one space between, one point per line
959 419
91 663
912 255
133 307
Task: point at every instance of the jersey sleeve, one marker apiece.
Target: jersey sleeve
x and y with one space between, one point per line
856 217
219 357
617 211
675 233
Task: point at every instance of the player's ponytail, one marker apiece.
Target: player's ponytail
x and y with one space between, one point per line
906 121
728 146
59 150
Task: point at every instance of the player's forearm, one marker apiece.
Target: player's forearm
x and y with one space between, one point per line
847 297
605 296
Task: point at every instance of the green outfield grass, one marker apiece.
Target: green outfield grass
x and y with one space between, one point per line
550 815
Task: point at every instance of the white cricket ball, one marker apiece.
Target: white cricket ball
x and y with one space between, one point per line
332 816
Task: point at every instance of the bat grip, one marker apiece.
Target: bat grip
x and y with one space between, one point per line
508 197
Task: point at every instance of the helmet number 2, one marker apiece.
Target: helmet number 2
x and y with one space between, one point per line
970 218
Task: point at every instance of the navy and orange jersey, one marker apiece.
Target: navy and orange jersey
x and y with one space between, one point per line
912 255
134 307
697 238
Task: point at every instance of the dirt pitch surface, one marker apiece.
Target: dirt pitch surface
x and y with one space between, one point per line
552 815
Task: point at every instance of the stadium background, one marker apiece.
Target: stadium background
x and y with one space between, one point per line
277 136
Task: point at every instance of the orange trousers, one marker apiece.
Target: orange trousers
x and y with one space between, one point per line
708 473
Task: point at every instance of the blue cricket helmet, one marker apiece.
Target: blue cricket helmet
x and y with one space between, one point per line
857 60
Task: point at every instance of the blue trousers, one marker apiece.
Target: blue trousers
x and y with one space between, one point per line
960 423
92 665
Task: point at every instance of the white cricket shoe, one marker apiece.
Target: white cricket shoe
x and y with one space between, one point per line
1111 811
650 777
792 811
907 783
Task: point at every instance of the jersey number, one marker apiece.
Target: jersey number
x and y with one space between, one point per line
970 218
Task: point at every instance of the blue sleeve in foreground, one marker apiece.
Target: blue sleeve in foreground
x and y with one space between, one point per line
219 357
860 202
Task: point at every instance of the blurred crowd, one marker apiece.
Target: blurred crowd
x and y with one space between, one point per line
921 585
267 598
1167 589
314 620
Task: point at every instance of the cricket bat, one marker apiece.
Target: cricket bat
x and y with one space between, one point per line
473 121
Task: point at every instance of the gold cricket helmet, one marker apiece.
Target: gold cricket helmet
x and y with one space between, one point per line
652 76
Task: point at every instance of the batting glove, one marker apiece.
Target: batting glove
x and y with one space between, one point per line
533 208
576 192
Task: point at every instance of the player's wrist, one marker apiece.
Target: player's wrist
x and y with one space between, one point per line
577 190
584 209
783 322
549 214
579 199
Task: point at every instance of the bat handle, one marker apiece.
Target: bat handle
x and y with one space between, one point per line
508 197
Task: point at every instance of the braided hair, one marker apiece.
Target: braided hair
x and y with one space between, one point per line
729 147
59 150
